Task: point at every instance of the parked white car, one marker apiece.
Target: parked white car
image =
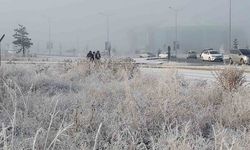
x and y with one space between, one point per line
211 55
163 55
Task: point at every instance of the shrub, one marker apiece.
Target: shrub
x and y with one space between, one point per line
230 78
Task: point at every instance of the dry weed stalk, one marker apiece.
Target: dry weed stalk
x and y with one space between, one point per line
96 137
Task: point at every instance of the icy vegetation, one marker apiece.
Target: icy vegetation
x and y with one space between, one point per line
113 106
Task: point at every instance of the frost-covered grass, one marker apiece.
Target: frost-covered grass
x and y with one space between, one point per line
113 106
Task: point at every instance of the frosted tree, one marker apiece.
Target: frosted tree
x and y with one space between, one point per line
22 40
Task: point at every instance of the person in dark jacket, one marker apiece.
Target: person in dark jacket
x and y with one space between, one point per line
94 53
90 56
98 55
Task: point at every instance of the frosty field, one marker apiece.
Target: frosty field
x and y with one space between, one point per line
116 105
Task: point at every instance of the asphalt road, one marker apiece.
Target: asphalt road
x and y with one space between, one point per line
185 73
177 62
195 62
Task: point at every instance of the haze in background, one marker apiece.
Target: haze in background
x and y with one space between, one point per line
77 24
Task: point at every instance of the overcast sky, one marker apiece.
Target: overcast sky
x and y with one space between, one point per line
77 22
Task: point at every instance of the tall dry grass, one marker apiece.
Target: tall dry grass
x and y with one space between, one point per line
111 105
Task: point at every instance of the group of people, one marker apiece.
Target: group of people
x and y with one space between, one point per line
92 56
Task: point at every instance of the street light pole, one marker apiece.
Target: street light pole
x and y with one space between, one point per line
108 28
108 43
176 28
49 43
49 21
230 25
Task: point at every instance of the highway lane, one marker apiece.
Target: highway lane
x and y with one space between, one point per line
185 73
179 61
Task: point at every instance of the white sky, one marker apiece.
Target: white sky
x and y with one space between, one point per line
78 21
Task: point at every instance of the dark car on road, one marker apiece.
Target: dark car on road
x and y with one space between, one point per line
191 55
147 55
239 56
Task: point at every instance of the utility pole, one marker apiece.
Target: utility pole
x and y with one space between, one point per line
1 49
107 43
176 25
230 25
108 26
